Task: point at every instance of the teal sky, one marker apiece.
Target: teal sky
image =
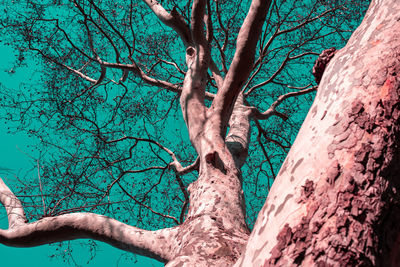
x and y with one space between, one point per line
14 161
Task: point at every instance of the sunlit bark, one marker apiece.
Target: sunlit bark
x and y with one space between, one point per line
77 226
335 201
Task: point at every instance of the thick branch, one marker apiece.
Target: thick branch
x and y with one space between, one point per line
242 62
79 225
15 212
201 44
197 23
238 137
193 91
173 20
87 225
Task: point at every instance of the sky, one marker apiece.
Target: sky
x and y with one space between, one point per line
13 161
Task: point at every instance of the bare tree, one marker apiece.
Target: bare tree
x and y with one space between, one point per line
113 75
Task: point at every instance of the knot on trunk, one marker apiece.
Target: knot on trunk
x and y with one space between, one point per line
321 63
190 55
214 159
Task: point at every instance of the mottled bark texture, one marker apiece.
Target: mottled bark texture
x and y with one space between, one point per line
215 232
336 199
321 63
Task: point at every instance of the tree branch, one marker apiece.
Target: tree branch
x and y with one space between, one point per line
173 20
238 138
15 211
193 91
242 63
180 170
154 244
272 109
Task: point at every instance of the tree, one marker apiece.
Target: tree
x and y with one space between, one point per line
341 211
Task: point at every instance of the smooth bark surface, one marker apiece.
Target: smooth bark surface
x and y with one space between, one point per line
335 201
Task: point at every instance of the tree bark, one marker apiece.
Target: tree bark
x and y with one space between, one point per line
215 232
335 201
72 226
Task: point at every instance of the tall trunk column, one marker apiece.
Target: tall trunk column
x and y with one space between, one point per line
341 185
215 231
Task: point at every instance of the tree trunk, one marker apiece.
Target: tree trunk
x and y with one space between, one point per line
335 201
215 232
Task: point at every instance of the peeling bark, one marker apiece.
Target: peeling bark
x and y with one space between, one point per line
215 232
341 205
